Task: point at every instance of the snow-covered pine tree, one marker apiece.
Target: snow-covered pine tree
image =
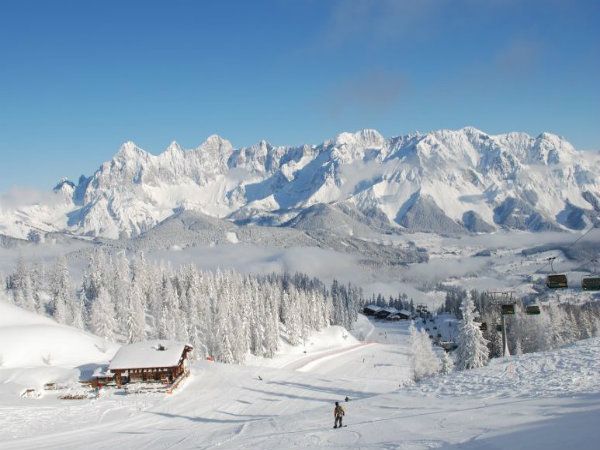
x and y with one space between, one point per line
102 317
38 275
224 348
257 318
28 297
162 323
412 337
518 349
304 313
77 314
291 315
209 312
95 274
337 307
271 319
424 362
136 316
167 316
238 312
447 364
472 351
191 299
119 282
60 291
21 285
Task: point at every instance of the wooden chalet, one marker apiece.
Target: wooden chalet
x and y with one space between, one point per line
400 315
148 361
404 314
101 377
385 312
371 310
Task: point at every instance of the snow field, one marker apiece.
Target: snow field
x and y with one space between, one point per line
540 401
31 341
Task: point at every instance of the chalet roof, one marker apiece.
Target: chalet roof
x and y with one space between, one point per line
404 312
390 309
148 354
102 371
373 307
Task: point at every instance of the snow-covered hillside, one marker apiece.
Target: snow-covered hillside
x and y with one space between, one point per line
35 350
443 181
537 401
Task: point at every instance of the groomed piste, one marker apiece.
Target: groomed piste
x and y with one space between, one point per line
539 401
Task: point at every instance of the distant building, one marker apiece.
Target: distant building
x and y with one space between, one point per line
403 314
163 361
371 310
384 312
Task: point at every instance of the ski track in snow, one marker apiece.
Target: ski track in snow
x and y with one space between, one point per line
310 362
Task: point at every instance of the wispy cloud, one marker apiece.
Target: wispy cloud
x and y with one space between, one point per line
18 197
372 92
519 58
377 20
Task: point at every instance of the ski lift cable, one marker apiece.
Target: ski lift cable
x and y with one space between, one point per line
593 260
552 258
582 236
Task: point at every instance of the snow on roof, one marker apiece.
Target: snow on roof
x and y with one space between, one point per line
404 312
390 310
148 354
373 307
101 371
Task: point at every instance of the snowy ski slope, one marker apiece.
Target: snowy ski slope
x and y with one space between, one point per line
541 401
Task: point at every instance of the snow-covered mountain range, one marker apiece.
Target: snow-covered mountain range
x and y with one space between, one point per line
444 181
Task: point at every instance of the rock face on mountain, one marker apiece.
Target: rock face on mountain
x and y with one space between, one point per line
444 181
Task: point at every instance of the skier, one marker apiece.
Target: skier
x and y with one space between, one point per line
338 413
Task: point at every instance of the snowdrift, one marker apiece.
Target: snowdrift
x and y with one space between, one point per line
564 371
30 340
35 350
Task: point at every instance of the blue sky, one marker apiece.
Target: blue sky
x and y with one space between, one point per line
79 78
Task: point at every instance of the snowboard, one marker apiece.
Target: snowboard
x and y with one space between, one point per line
343 426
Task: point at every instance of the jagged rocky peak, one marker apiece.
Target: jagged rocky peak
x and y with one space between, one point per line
466 134
65 187
367 138
214 153
256 158
465 179
216 144
129 150
64 183
174 149
549 149
349 147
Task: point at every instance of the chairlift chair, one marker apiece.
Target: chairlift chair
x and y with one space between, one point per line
532 309
590 283
483 326
557 281
508 309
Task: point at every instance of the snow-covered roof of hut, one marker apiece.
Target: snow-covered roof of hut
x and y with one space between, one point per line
404 312
102 371
148 354
390 309
373 307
